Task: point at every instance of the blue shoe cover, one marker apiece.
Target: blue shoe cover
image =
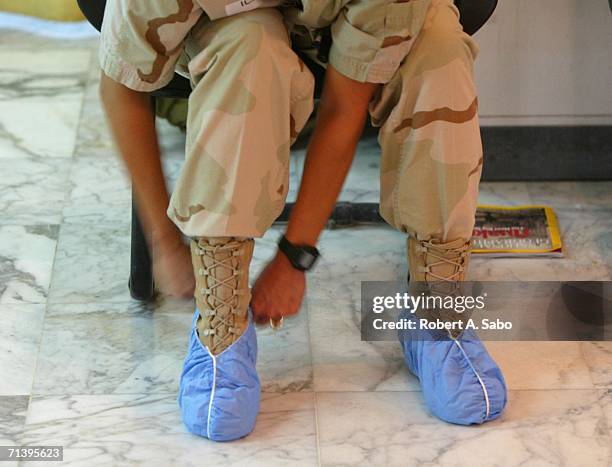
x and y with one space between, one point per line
460 381
219 395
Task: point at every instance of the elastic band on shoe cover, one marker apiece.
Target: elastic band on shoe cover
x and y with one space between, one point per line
212 393
482 384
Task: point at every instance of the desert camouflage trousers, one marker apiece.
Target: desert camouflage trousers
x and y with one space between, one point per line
252 96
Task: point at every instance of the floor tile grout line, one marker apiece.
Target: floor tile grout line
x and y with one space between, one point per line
581 345
69 177
582 389
312 372
317 429
77 133
277 394
140 393
55 250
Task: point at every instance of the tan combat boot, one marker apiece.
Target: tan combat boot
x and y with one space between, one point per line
433 262
221 267
438 269
460 381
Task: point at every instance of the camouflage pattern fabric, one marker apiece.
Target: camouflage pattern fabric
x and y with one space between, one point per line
431 159
252 95
236 175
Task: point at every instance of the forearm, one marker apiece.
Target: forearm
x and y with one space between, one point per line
342 113
132 123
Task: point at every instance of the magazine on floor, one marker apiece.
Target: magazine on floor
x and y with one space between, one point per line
517 231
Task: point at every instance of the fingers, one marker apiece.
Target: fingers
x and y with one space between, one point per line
260 318
258 307
262 313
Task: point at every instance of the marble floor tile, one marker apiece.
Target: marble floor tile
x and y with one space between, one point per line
13 410
30 73
587 234
284 360
55 123
542 365
504 193
130 348
265 249
571 194
605 397
596 194
556 194
598 357
295 174
26 262
91 264
93 137
172 167
146 429
33 190
343 362
23 40
349 256
19 343
12 418
99 193
394 429
363 182
171 140
122 348
535 269
37 93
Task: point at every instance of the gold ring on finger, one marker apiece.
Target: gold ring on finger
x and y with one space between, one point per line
276 324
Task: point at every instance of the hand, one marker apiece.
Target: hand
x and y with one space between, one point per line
278 291
172 267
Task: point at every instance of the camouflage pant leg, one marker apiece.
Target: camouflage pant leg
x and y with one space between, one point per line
251 97
431 148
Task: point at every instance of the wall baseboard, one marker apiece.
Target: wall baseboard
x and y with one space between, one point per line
530 153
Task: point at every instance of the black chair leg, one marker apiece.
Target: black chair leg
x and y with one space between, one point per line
141 283
141 273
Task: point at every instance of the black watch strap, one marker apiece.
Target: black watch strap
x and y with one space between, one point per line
302 257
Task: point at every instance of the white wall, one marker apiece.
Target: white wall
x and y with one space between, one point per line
546 62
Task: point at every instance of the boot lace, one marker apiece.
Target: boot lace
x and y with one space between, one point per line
212 294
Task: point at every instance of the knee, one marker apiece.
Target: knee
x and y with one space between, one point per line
229 44
253 31
442 42
443 47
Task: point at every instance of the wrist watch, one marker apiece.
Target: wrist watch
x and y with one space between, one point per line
302 257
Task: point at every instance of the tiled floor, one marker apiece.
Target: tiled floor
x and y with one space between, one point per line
84 366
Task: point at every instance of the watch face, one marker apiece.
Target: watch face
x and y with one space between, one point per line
306 260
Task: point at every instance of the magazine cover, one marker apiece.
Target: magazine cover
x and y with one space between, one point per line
517 230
